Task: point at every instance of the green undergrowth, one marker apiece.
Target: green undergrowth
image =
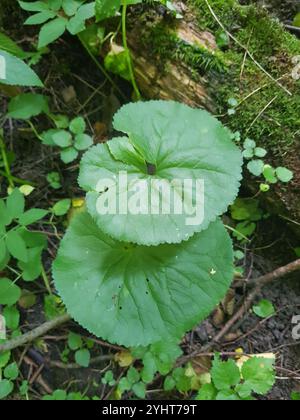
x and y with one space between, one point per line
163 40
274 48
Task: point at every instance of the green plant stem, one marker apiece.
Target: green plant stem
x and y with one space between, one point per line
6 163
16 180
128 54
101 68
237 232
46 280
34 130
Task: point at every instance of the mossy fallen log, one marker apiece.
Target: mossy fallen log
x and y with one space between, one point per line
189 60
193 60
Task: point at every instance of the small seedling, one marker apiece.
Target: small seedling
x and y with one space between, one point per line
53 179
264 309
70 141
257 166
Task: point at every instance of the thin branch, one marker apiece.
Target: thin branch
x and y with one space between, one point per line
260 282
34 334
292 28
94 361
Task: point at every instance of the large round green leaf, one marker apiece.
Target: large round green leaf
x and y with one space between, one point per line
136 295
14 71
166 141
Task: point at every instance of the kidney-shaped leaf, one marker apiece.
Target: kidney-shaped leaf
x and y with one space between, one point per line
182 172
136 295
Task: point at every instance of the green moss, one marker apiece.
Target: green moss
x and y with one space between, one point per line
278 126
274 48
228 10
161 39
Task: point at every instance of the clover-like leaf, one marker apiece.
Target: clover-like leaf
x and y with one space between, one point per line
6 387
83 141
33 267
35 6
139 295
10 293
68 155
62 138
225 374
78 125
16 245
284 174
169 147
256 167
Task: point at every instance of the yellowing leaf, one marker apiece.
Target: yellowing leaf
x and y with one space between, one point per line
239 351
78 206
205 378
78 202
26 190
124 358
189 372
244 359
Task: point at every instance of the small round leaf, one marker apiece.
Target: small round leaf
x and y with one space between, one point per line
9 292
264 309
69 155
6 388
62 207
83 141
83 357
62 138
284 174
256 167
78 125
